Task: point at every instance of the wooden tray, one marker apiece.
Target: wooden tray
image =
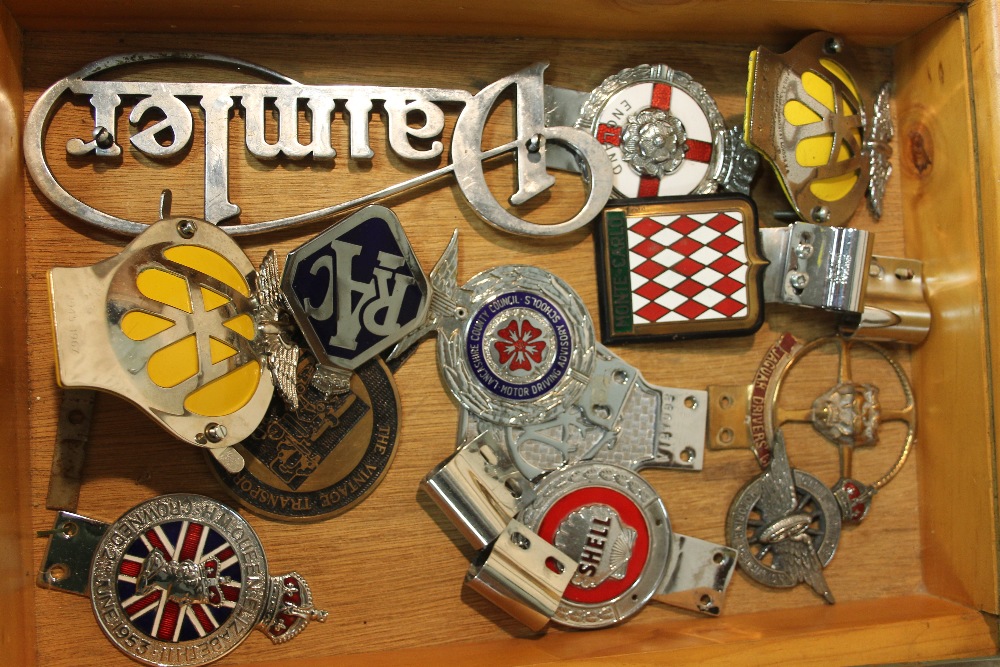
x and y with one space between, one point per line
916 581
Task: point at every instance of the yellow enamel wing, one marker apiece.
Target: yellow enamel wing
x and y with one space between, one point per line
170 324
805 115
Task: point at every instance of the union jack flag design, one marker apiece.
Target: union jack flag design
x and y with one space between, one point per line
186 544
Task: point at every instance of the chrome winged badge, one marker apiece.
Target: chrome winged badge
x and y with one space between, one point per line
785 526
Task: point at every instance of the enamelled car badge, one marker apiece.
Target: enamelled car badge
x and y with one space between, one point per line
661 130
516 348
585 546
178 580
681 269
692 267
180 323
807 117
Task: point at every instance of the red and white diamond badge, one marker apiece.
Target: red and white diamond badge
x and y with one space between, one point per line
683 268
662 131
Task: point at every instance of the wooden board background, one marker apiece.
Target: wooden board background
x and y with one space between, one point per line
390 570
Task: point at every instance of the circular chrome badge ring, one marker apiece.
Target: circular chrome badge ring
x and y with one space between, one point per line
662 130
353 434
825 544
179 532
578 489
526 351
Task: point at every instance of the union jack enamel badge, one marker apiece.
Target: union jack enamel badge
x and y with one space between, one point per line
685 267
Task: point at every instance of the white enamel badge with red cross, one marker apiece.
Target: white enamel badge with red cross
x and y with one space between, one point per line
677 269
659 139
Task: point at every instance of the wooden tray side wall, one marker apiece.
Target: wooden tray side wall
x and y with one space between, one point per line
17 632
943 228
984 50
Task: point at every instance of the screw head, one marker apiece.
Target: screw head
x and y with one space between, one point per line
803 250
187 228
534 143
820 214
798 280
834 45
103 137
215 432
520 540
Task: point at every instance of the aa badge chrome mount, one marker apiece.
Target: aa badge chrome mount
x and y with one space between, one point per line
691 267
516 348
178 580
661 130
849 415
586 546
807 117
181 324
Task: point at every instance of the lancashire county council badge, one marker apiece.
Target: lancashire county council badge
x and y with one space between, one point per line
679 268
526 349
325 457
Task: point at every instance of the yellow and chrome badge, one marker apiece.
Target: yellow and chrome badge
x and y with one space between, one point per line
169 324
805 115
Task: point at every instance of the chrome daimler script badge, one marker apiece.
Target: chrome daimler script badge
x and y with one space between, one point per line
685 267
323 458
161 126
182 580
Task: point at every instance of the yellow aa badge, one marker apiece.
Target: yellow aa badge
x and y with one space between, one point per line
168 324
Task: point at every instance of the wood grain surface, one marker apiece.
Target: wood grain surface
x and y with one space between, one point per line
882 22
390 570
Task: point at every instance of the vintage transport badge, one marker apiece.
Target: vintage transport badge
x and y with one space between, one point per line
178 580
594 539
163 126
181 324
324 457
807 117
690 267
661 130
